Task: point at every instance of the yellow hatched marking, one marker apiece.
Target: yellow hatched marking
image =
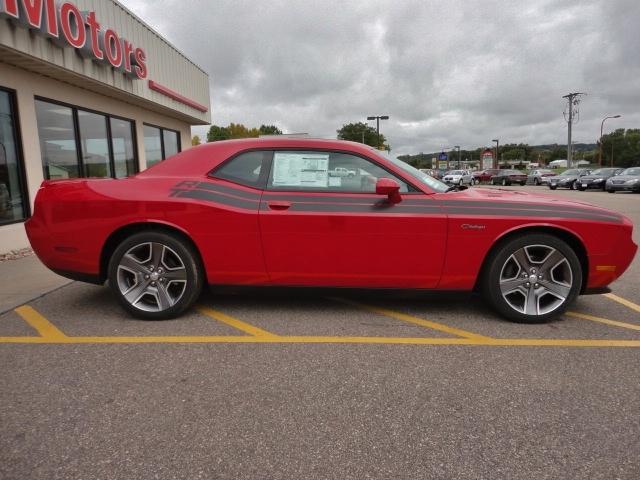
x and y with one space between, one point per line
606 321
44 327
623 301
414 320
235 323
492 342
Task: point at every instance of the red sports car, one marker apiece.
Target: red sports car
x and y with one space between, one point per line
278 212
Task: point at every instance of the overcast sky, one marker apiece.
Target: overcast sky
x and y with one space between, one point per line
447 72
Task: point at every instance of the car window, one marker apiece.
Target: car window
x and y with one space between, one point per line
631 171
326 171
244 169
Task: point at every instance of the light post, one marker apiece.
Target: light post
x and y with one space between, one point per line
377 118
458 147
601 128
495 162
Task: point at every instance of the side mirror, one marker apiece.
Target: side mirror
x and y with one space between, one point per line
389 187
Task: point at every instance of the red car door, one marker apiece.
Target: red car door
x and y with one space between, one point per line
323 225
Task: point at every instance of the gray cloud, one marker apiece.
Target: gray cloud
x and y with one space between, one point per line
446 71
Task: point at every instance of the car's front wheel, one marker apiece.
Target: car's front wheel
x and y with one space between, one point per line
536 181
532 278
155 275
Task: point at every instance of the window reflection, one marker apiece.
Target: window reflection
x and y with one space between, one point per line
94 144
170 143
123 148
152 145
57 141
12 196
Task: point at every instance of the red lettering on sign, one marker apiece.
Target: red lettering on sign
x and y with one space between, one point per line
52 19
78 38
10 8
141 66
33 10
128 51
94 28
113 48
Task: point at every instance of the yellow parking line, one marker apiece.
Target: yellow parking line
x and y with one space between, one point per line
44 327
606 321
235 323
414 320
492 342
623 301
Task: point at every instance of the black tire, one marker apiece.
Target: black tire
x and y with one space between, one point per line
172 262
503 256
611 191
536 181
573 186
522 184
552 187
582 189
504 182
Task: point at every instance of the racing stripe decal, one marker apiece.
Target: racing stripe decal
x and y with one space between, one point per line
370 203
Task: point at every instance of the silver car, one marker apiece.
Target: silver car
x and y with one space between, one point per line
458 177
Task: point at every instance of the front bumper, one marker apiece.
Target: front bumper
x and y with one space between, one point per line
624 187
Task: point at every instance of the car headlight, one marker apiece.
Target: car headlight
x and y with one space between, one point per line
598 180
633 182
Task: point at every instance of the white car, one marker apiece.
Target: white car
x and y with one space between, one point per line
342 172
458 177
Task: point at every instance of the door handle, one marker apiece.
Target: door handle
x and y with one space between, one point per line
275 205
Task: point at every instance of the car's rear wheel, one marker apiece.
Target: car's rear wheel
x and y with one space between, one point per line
532 278
155 275
552 187
504 182
536 181
573 186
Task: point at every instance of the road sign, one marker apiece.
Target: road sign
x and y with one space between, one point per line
443 156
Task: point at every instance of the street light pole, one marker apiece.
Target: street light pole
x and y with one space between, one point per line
377 118
458 147
601 129
495 162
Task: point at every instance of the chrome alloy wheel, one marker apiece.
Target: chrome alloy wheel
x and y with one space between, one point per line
151 277
536 280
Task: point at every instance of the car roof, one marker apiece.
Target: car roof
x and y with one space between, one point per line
203 158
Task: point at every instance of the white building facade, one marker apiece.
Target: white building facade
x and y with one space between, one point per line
87 89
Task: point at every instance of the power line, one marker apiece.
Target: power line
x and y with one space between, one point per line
573 114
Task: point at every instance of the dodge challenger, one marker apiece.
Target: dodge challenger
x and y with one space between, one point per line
269 212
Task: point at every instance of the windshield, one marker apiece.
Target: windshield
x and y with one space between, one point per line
603 171
456 172
571 172
429 181
631 171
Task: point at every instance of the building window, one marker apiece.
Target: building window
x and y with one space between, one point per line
13 196
80 143
160 144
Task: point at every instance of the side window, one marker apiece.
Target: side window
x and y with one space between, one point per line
246 169
326 171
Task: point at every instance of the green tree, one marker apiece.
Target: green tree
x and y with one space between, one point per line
217 133
269 130
195 141
623 146
362 133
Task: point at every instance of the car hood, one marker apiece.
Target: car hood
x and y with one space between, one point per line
563 177
593 177
496 196
625 177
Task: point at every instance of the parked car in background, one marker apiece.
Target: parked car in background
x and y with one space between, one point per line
568 178
509 177
458 177
598 178
628 180
540 176
485 176
342 172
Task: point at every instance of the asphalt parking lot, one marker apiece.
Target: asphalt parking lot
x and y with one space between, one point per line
294 384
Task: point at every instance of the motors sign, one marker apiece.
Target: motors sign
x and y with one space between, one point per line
66 25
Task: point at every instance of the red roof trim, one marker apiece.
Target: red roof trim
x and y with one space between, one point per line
176 96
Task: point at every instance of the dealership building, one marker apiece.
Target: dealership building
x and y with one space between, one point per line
87 89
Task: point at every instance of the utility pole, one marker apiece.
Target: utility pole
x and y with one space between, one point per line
377 118
572 115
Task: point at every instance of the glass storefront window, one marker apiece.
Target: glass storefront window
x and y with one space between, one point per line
170 143
57 141
153 145
94 144
79 143
124 156
160 144
13 197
